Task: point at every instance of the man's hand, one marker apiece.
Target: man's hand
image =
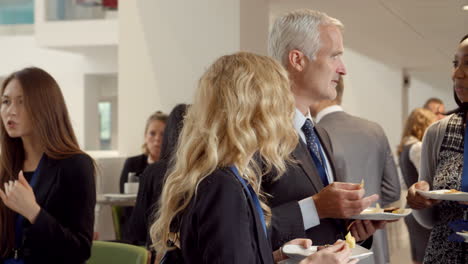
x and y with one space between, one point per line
417 201
363 229
342 200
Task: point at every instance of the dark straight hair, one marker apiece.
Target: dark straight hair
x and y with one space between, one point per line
48 114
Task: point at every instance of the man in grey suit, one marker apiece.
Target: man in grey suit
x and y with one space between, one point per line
361 152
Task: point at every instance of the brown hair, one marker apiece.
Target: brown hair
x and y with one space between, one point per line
45 106
157 116
432 100
416 124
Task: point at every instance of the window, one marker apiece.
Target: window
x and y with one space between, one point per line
14 12
105 122
101 112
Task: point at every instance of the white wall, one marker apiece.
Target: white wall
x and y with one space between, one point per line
165 46
420 91
373 90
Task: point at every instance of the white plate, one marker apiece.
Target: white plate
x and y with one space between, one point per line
365 215
297 253
441 195
464 235
119 196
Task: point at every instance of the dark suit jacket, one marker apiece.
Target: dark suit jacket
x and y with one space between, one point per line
300 181
151 184
135 164
63 230
220 224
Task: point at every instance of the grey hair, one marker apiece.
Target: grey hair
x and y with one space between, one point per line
299 30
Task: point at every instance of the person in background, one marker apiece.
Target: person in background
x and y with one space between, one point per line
361 152
211 205
444 166
436 106
154 132
151 181
47 184
409 152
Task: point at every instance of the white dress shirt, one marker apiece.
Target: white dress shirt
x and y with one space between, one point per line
309 211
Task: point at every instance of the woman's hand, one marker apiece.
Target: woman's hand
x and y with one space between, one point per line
19 197
417 201
337 254
278 254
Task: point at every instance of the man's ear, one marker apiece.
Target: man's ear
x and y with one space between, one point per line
297 60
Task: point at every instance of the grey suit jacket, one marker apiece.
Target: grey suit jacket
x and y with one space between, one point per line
362 151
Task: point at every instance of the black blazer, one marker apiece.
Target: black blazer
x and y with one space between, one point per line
63 230
300 181
135 164
220 226
151 184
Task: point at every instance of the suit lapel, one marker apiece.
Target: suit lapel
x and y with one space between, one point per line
263 243
302 155
326 144
46 178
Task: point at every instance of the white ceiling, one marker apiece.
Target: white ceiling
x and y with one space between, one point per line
418 35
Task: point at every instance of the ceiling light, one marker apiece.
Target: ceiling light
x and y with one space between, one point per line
465 7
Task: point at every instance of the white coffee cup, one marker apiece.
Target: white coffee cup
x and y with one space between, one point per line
131 187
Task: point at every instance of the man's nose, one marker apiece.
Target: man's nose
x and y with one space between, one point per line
341 69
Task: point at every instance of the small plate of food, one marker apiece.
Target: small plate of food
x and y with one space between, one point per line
296 253
382 214
463 234
447 195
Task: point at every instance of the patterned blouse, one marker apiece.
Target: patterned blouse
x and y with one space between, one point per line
448 176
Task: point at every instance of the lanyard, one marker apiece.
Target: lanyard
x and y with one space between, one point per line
464 179
253 196
20 219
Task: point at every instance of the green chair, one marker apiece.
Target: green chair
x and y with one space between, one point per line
117 212
103 252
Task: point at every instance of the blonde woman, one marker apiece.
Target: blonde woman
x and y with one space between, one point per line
154 131
211 198
409 152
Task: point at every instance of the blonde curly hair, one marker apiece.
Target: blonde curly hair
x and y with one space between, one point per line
416 124
243 106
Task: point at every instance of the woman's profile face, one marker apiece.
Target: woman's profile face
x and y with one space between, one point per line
153 137
14 116
460 71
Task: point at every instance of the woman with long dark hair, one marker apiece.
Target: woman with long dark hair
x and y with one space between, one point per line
47 182
443 166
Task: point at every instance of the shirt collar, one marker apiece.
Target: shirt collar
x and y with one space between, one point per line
328 110
300 118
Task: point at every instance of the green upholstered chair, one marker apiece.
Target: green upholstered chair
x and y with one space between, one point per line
104 252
